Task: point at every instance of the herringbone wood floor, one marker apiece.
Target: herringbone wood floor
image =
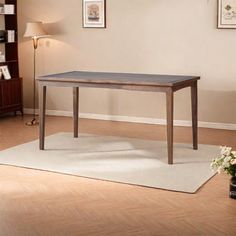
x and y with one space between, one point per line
46 204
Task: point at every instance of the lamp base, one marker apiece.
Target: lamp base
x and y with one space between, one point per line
33 122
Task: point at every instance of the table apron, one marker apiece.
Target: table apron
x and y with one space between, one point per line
148 88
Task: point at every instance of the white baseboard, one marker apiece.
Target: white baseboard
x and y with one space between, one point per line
132 119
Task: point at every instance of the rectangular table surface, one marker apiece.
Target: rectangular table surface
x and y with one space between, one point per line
119 78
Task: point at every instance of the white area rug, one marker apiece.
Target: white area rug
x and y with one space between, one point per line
118 159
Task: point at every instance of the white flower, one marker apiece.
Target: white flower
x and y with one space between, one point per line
214 167
226 151
228 159
226 162
233 162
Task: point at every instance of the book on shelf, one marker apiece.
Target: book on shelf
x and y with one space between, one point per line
10 36
7 36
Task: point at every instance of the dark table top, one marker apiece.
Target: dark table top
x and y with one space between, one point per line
119 78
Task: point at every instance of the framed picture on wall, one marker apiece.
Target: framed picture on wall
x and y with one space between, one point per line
94 13
227 14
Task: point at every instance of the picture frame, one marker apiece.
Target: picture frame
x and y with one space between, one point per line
9 9
5 72
226 14
94 13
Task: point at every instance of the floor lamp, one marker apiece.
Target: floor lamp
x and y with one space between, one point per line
35 31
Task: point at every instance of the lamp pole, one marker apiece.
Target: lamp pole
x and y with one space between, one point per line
34 121
35 31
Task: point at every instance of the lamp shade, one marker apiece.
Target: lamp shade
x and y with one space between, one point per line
35 29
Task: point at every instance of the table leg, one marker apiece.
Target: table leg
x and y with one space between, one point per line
194 98
170 123
42 108
76 110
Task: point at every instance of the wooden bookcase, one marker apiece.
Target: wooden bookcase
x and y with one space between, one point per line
10 90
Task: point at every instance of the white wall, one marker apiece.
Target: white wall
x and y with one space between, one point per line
146 36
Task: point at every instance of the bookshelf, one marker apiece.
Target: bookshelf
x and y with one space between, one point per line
10 90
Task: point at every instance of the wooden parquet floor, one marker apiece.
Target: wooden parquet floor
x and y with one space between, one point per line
37 203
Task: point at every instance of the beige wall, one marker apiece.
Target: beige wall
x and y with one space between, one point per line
147 36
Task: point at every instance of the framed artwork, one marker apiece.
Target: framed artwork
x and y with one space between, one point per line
94 13
5 72
227 14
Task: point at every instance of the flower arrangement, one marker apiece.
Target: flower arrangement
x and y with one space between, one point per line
226 163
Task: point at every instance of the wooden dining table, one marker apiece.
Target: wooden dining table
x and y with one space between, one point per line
167 84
